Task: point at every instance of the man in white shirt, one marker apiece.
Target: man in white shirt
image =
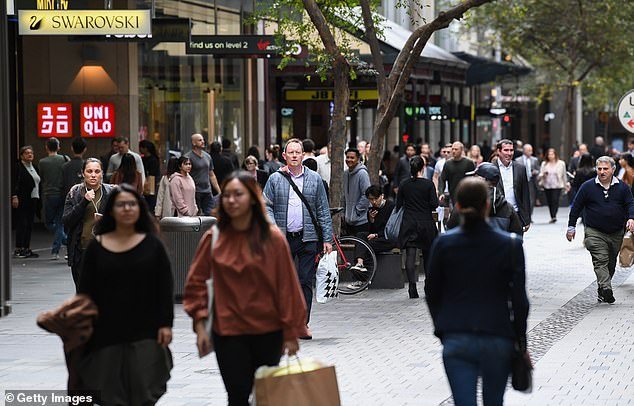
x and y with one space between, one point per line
123 145
513 182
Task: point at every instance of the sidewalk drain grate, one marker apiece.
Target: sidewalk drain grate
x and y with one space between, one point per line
552 329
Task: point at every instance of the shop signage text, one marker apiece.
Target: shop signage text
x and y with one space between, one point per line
243 45
97 119
50 5
326 95
85 22
54 120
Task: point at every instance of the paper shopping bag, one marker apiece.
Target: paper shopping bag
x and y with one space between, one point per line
312 388
626 255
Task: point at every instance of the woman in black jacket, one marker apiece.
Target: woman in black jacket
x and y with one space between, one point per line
418 198
24 200
152 166
83 207
472 274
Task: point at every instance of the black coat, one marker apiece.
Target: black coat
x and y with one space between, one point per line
23 184
402 171
262 177
522 192
418 198
222 167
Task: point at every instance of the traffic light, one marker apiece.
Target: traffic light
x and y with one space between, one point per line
506 120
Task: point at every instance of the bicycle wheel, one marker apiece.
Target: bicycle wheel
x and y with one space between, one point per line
351 279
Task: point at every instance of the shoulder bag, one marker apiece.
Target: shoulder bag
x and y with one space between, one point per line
521 366
313 219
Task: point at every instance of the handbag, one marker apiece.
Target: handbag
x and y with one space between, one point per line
626 254
393 225
313 219
209 322
307 383
327 278
521 366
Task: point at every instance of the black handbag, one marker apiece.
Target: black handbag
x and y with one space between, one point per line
521 366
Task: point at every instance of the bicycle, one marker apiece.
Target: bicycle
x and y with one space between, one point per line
353 280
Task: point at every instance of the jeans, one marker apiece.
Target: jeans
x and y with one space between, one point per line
604 249
53 210
238 358
305 252
205 202
467 356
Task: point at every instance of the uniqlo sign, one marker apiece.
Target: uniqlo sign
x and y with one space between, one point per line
54 120
96 119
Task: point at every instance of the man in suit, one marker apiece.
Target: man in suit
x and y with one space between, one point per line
532 170
402 171
513 182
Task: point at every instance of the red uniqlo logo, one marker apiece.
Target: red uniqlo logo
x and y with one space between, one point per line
54 120
96 119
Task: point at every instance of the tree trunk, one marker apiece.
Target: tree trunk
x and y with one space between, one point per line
337 132
567 129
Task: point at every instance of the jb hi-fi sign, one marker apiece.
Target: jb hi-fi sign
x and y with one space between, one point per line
96 120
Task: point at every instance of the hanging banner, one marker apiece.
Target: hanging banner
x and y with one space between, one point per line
84 22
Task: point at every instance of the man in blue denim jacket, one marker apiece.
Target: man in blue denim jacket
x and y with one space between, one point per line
286 209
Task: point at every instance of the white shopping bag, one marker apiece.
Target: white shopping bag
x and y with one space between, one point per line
327 278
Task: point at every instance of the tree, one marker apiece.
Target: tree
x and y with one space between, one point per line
570 42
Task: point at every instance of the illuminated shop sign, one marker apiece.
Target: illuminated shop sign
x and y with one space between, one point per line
326 95
246 46
85 22
54 120
50 5
97 119
420 113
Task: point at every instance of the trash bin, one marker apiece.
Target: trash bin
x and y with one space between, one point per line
181 235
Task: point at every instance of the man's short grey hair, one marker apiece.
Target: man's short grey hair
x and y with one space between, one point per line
608 160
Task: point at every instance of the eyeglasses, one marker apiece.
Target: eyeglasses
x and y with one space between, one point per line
129 204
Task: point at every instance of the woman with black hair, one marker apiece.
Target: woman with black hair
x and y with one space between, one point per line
183 189
259 309
84 205
418 198
476 293
127 173
585 171
152 166
126 272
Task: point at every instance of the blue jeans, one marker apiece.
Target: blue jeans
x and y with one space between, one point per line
205 202
467 356
53 210
306 253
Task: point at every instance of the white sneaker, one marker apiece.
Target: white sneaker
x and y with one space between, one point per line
355 285
54 257
359 267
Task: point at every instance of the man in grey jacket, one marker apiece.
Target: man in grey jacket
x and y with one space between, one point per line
286 209
356 181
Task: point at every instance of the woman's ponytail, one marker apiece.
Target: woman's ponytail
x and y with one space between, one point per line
472 197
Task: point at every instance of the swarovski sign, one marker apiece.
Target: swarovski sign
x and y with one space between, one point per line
85 22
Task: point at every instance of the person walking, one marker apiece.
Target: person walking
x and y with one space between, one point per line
127 173
552 176
123 147
531 164
71 170
24 200
127 274
222 165
401 172
417 197
164 207
626 162
473 273
183 189
475 155
83 207
251 166
608 208
52 184
584 172
294 215
258 307
202 171
323 165
152 167
356 181
455 170
513 182
227 152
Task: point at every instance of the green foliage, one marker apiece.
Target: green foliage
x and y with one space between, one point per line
291 25
569 42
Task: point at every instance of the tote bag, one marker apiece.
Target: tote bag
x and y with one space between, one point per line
393 226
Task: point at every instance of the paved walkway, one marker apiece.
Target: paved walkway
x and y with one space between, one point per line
380 341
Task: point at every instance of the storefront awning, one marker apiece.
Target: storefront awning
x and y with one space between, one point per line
484 70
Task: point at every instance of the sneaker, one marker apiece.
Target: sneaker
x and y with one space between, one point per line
18 254
54 257
308 336
354 285
608 296
65 257
30 254
359 268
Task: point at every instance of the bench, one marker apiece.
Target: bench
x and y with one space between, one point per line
388 273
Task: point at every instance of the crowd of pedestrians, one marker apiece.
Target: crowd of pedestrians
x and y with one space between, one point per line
262 302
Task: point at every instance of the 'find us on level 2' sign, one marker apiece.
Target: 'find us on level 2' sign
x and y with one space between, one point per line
626 111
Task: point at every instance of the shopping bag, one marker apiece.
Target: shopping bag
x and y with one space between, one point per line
327 278
393 226
626 255
149 187
302 383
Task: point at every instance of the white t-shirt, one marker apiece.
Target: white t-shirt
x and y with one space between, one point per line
506 172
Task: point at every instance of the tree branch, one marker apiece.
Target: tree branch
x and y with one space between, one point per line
319 21
375 50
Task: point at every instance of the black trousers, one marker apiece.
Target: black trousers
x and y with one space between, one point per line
354 230
238 358
24 222
378 245
410 262
552 197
